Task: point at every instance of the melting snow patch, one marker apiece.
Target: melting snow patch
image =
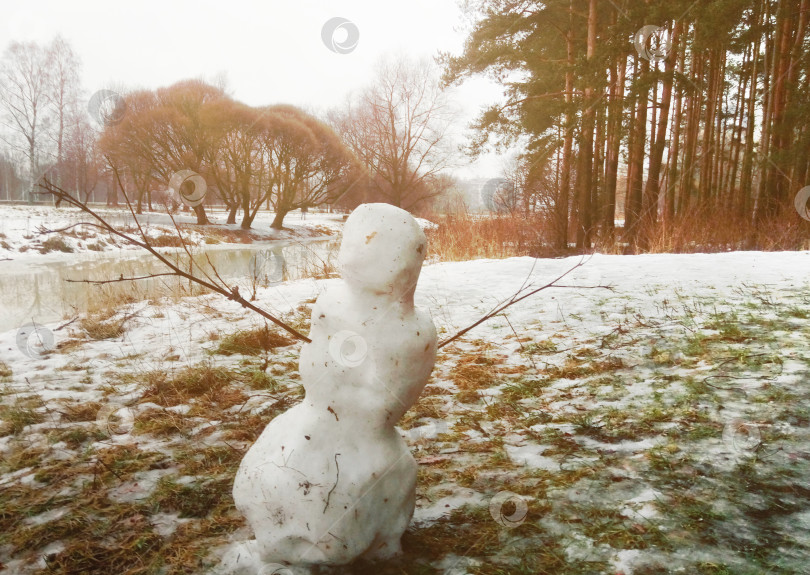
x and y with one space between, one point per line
181 409
46 516
623 560
166 524
140 488
455 565
530 455
446 505
622 447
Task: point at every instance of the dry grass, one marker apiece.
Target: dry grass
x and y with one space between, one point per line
473 372
15 418
718 230
74 412
204 381
162 423
464 237
167 241
55 244
253 341
102 325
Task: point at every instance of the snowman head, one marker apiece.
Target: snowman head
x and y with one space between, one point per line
382 250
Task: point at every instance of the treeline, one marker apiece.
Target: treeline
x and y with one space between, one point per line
663 114
386 143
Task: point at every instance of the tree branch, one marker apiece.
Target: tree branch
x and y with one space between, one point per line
121 279
233 294
517 297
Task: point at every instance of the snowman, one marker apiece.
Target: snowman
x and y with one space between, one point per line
331 480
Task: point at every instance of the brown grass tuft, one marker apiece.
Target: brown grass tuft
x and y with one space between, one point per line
80 411
101 325
201 381
252 342
474 372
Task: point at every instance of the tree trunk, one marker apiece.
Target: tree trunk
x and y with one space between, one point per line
585 176
278 221
669 205
202 218
765 136
636 183
707 144
232 209
775 186
652 190
564 192
32 165
247 220
614 138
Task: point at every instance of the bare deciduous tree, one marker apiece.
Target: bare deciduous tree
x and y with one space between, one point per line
231 162
308 162
63 91
24 85
398 128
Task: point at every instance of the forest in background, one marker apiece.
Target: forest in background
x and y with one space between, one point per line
631 126
677 117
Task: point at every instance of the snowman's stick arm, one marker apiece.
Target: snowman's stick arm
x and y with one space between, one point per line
517 297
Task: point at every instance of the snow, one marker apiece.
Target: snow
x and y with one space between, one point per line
426 224
443 506
531 455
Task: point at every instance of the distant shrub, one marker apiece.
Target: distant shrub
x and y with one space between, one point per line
166 241
55 244
100 326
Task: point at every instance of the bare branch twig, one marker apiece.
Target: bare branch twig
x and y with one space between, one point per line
121 279
62 195
517 297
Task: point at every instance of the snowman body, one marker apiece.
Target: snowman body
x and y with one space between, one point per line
331 479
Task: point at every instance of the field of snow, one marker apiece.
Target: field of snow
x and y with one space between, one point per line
658 426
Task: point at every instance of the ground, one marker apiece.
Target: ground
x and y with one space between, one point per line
659 426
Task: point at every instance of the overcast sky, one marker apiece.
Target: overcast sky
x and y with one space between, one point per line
269 50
